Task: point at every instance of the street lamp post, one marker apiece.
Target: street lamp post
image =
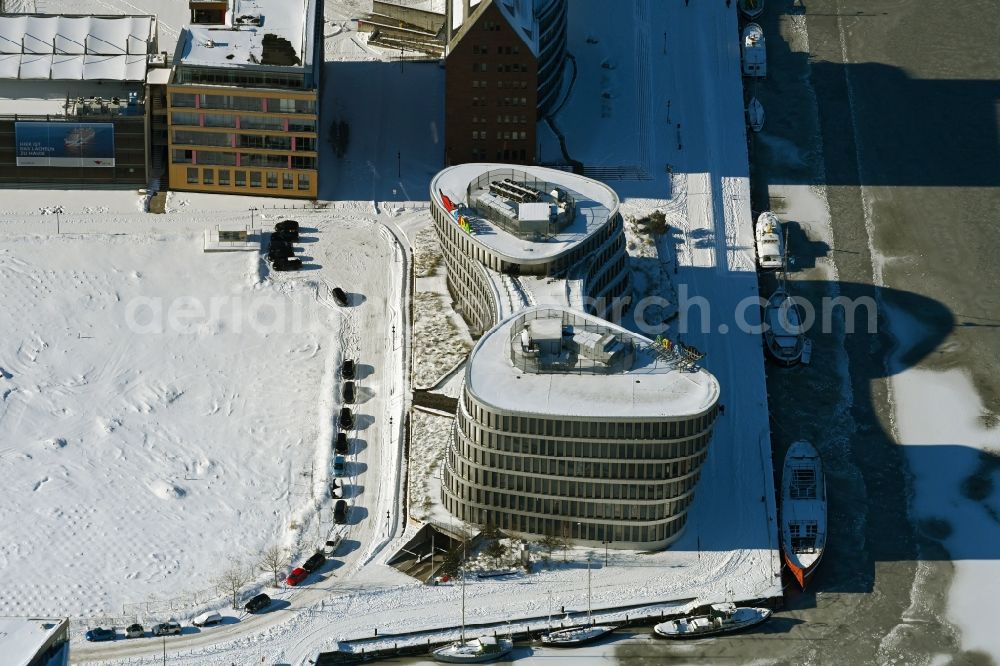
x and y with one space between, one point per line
606 541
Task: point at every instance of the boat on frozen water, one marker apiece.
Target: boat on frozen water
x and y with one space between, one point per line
784 335
751 8
769 241
754 52
803 511
721 619
755 114
475 651
574 636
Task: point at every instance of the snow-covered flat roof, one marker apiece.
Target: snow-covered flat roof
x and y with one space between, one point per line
69 48
595 203
649 387
241 41
22 638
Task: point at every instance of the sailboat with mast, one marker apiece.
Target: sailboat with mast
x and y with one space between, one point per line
475 651
574 636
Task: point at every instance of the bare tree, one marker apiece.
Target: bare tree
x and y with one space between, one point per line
233 580
273 560
549 544
496 551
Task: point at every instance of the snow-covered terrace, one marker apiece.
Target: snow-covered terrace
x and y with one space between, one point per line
648 384
595 203
240 41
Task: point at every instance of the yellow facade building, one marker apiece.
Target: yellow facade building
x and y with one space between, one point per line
243 100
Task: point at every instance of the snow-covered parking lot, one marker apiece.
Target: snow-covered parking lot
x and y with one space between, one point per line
147 383
163 410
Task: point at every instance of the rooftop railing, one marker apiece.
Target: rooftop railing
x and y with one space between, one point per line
524 185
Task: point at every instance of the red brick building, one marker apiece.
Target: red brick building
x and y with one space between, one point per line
504 64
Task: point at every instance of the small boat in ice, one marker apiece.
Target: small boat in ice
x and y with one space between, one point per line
751 8
803 510
721 619
754 52
475 651
769 241
574 636
783 333
755 114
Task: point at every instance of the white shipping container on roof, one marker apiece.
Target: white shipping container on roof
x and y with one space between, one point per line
71 36
12 30
103 67
10 63
66 67
35 66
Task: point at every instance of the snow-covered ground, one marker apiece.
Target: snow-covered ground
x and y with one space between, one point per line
429 436
140 387
152 461
728 550
440 337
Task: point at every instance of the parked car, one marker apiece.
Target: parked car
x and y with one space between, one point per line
98 634
279 247
315 562
340 512
350 392
207 619
331 546
348 370
286 263
287 225
135 631
297 576
257 604
336 491
346 418
340 296
287 230
166 629
341 445
339 466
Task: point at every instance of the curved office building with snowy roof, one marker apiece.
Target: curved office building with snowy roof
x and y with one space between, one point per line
569 425
516 236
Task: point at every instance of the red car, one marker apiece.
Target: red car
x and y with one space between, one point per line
297 576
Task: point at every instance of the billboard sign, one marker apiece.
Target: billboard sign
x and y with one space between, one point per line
65 144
